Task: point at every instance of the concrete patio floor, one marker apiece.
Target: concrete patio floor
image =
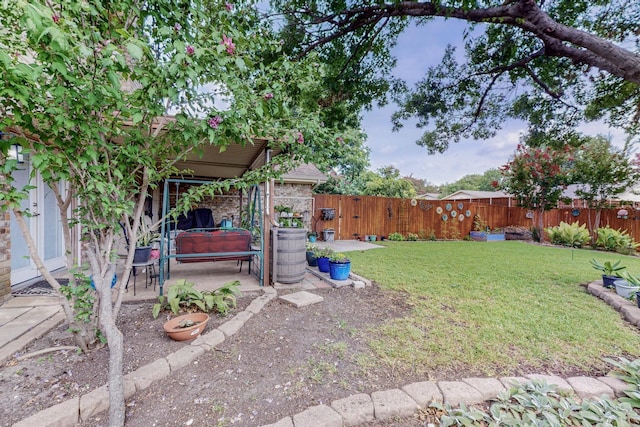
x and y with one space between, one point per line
207 276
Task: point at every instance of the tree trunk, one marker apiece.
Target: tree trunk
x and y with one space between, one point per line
596 224
540 224
102 281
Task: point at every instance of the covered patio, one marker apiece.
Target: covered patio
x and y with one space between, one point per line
214 164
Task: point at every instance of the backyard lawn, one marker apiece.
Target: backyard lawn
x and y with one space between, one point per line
495 308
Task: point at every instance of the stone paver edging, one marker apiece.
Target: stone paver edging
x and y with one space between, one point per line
360 409
354 410
629 310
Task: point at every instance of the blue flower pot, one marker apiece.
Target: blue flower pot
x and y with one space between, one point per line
339 270
113 281
323 264
311 260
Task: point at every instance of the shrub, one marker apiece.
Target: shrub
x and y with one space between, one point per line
537 403
398 237
574 235
412 236
339 257
611 239
629 372
319 252
427 234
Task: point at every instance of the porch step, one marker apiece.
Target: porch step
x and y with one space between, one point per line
23 320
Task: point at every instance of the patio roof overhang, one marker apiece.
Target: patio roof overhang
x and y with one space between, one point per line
232 162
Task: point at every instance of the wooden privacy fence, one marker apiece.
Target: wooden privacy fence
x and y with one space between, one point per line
358 216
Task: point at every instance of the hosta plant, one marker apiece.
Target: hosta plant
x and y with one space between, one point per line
574 235
618 240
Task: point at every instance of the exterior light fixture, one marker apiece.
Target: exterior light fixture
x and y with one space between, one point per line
15 150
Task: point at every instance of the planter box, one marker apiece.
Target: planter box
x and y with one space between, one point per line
478 236
483 236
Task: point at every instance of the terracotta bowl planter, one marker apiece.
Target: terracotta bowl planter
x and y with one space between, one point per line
175 332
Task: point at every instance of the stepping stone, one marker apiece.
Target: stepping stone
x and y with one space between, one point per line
358 284
302 298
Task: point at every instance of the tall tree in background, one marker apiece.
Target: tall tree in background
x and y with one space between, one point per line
553 63
602 172
484 182
536 177
421 186
387 182
85 90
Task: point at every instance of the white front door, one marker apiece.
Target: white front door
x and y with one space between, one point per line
45 228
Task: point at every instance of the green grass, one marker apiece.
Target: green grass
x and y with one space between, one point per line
492 307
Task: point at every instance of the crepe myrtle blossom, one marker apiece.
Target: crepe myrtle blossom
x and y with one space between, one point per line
214 122
190 50
300 138
177 27
229 6
228 42
267 96
56 18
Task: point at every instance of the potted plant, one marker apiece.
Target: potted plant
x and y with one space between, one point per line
183 297
283 211
186 327
609 271
322 256
311 258
144 243
628 285
339 266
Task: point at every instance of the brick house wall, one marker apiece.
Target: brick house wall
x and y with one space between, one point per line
299 197
5 257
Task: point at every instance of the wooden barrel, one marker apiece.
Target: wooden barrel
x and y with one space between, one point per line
291 256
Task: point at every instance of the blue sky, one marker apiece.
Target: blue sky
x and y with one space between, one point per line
417 49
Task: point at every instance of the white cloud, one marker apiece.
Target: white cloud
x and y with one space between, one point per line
216 97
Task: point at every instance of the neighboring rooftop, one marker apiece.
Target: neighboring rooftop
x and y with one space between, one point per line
428 196
305 174
474 194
